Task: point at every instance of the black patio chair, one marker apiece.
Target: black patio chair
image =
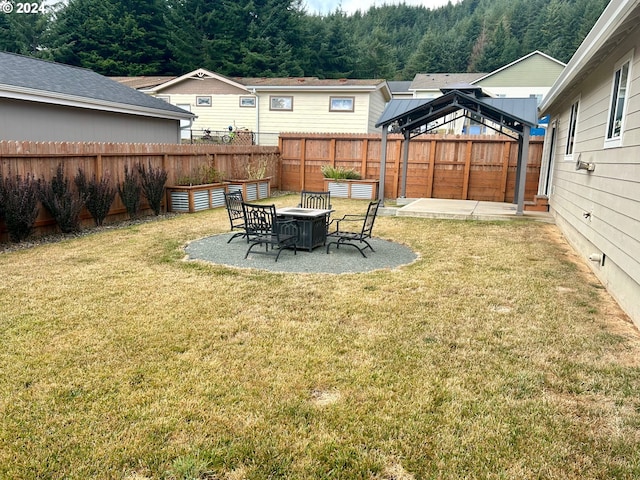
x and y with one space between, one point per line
319 200
233 202
264 228
354 230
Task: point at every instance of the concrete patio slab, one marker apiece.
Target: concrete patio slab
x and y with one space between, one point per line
462 210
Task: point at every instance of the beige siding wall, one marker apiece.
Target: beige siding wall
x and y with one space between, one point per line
202 86
598 211
311 114
535 71
377 102
225 110
54 123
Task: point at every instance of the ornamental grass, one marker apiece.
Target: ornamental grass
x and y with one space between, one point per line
496 355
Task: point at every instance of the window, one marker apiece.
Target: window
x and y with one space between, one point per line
280 103
573 121
248 102
617 107
203 101
341 104
166 98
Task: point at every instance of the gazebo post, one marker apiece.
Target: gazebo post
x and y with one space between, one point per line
405 164
521 180
383 163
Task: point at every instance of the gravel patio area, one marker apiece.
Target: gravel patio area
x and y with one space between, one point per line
387 255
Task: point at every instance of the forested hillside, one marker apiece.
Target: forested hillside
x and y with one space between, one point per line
253 38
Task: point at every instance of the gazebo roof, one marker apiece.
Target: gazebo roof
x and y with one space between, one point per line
414 113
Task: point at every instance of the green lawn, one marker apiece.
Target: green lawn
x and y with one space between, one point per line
497 355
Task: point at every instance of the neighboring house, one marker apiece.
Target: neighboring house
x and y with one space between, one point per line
429 85
400 88
591 162
47 101
272 105
529 76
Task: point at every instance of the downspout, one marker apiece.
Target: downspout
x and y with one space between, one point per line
253 91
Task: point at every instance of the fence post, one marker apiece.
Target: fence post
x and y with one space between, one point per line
506 152
303 158
467 171
432 168
365 149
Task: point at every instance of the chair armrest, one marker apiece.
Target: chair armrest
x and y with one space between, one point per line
345 218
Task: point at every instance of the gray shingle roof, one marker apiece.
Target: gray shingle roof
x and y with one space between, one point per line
58 80
436 81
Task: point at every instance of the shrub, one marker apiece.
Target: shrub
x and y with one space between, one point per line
98 194
200 176
19 205
152 181
339 173
63 202
129 191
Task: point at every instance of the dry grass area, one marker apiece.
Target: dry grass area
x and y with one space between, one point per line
497 355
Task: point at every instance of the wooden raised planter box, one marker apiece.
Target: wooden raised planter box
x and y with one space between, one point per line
361 189
193 198
251 189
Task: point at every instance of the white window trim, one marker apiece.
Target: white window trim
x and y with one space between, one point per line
617 141
569 156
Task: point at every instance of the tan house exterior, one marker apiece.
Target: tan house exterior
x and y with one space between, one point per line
270 106
591 160
529 76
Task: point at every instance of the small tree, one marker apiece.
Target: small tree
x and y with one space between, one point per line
19 205
98 194
129 191
63 202
153 181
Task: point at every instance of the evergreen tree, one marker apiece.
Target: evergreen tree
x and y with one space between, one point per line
113 37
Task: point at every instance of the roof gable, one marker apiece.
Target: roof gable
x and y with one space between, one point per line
533 70
49 82
200 74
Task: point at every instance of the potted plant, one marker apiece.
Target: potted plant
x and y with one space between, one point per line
201 189
251 178
348 183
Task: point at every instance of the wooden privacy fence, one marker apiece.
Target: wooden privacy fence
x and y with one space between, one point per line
41 160
469 167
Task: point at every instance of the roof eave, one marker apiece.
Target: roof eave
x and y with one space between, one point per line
17 93
313 88
614 14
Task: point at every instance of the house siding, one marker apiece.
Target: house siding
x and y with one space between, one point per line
48 122
538 71
223 112
377 102
203 86
311 114
598 211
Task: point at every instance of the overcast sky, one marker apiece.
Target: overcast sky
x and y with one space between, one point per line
323 7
